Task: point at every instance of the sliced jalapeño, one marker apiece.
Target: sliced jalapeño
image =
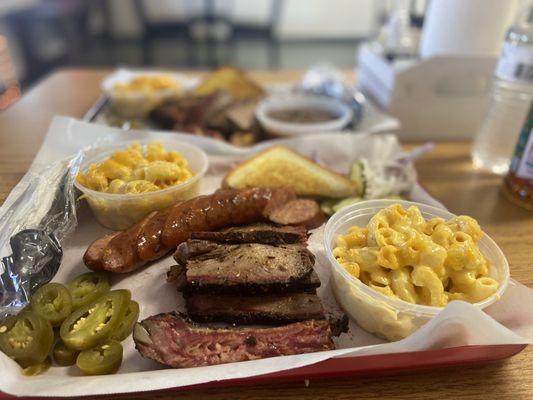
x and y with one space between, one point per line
87 288
27 338
103 359
93 324
52 302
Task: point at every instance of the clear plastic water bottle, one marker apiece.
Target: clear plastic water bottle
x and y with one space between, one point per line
511 97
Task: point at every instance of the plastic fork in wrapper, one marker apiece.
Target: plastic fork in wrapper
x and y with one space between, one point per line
36 217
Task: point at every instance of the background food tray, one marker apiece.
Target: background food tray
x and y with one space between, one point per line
372 118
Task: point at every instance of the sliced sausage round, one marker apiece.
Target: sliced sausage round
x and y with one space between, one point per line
298 212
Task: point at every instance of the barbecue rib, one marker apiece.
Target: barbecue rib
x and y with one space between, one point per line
171 340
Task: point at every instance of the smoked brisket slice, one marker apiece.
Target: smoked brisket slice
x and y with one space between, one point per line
245 268
256 233
270 309
172 340
177 274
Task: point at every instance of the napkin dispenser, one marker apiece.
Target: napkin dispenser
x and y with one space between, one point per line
440 97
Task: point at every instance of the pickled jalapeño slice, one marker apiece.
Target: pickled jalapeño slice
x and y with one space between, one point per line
64 356
27 338
100 360
87 288
93 324
126 326
52 302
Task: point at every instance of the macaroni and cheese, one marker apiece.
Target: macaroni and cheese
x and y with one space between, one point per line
147 84
137 170
425 262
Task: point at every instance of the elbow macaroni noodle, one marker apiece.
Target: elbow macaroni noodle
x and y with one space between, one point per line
147 84
425 262
134 170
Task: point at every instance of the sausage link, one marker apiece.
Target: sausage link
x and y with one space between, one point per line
149 243
162 231
93 256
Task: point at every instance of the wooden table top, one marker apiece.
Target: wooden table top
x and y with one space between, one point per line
446 172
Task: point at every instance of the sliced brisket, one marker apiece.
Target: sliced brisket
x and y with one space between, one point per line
245 268
256 233
177 274
171 340
271 309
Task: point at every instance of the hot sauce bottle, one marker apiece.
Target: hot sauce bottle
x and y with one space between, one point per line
518 184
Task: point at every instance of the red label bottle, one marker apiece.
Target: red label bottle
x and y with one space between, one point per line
518 184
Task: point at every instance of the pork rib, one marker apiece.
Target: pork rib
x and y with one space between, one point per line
172 340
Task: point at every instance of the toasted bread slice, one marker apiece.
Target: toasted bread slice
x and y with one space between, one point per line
279 166
231 80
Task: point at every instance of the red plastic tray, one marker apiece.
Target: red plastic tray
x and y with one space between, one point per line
358 366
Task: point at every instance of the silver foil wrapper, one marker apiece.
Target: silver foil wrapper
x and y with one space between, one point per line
32 226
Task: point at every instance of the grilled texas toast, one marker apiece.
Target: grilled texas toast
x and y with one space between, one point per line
279 166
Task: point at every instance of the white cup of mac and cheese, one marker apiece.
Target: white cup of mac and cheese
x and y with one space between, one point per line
133 94
121 202
377 306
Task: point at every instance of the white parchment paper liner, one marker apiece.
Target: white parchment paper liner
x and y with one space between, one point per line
509 321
